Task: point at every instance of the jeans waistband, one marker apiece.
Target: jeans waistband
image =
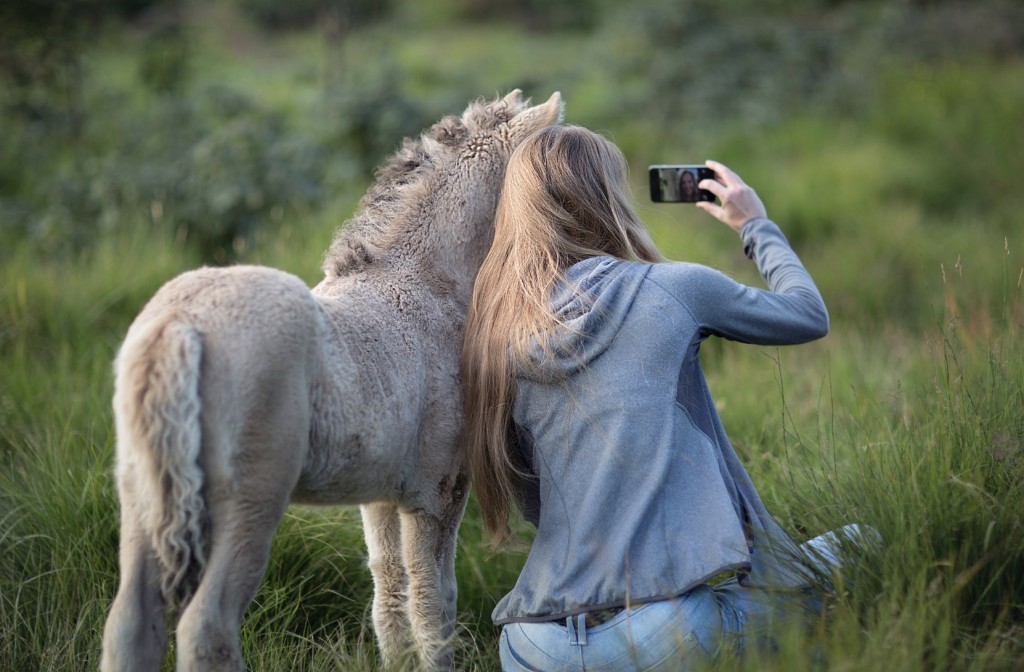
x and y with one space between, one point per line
593 618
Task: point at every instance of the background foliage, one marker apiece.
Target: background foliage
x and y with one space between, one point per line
141 138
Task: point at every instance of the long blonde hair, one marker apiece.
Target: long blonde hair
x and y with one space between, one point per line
565 198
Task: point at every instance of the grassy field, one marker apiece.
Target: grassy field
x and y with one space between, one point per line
909 416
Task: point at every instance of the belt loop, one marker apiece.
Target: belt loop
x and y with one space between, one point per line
577 633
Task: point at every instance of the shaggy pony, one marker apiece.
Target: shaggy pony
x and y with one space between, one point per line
239 390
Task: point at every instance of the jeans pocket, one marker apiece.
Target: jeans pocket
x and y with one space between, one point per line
669 635
511 661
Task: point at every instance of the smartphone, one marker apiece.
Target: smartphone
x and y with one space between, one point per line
678 183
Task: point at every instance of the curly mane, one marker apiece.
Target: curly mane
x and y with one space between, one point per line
403 183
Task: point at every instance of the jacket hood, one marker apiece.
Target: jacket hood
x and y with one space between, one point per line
590 305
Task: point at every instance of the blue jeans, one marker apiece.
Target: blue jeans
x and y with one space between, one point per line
670 634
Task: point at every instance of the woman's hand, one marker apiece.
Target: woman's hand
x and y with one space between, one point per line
739 203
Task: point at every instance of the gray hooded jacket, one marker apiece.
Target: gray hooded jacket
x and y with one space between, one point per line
636 492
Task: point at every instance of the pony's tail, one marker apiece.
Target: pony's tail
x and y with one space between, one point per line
157 406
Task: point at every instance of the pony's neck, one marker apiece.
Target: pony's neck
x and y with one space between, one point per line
443 244
417 226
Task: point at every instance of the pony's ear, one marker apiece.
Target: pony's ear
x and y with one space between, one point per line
514 97
483 116
537 117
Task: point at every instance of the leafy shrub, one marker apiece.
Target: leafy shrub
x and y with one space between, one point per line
242 173
347 14
41 46
165 63
369 116
534 15
708 63
967 155
211 169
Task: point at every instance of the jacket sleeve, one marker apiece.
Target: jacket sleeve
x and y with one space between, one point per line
790 311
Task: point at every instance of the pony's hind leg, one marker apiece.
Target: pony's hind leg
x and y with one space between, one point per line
242 526
134 637
246 498
253 450
382 529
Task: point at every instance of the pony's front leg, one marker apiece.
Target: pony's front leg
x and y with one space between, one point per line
134 637
428 544
384 545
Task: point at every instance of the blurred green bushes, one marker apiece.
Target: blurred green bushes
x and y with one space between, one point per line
41 45
340 15
858 121
706 63
210 168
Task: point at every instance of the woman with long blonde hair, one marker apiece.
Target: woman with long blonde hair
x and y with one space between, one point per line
588 412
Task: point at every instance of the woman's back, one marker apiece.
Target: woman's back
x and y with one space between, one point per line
632 463
587 408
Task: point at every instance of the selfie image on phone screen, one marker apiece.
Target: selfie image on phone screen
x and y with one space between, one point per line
678 184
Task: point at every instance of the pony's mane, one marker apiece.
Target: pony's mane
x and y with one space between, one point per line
404 182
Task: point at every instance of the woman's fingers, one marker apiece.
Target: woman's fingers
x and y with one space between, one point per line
725 175
738 203
710 208
714 186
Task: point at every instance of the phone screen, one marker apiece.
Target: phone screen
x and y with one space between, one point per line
678 183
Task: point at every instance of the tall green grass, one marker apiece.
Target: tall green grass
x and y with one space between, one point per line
919 434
